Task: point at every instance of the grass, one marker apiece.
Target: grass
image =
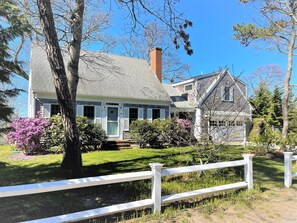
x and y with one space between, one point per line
268 173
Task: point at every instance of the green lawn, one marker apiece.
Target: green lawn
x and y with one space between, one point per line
17 169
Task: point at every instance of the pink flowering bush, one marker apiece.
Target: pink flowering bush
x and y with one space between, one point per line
184 124
26 134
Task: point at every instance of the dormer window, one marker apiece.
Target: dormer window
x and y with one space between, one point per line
188 87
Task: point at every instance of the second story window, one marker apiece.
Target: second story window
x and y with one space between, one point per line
188 87
227 92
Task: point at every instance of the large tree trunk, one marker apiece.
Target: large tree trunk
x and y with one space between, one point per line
285 104
72 146
73 63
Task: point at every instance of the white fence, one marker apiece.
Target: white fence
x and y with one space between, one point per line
156 199
288 159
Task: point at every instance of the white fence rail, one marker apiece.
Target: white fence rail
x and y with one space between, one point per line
156 200
289 175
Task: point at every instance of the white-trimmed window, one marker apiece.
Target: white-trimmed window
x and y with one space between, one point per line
227 92
222 123
239 123
188 87
213 123
231 123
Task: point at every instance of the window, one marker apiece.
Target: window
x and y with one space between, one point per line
55 109
227 93
133 114
156 113
231 123
188 87
213 123
89 112
222 123
239 123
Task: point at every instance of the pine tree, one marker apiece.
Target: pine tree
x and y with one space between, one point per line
262 102
14 25
276 107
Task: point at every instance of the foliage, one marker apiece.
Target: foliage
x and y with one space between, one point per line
143 133
91 135
263 135
278 32
267 104
26 134
160 133
13 24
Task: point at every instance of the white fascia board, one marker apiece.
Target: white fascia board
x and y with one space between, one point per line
111 100
183 82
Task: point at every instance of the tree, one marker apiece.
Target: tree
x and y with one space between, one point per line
66 85
262 102
277 112
14 25
152 36
279 33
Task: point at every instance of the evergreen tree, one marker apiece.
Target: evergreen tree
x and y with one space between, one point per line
14 25
262 102
276 107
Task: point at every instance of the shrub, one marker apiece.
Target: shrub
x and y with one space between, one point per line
26 134
91 135
160 133
263 135
143 133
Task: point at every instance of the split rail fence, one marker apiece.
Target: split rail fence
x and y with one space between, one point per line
155 175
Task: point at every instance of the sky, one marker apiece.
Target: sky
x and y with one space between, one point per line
212 41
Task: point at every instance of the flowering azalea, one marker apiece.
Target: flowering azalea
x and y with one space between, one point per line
26 133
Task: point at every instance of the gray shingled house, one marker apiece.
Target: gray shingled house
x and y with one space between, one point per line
113 90
216 103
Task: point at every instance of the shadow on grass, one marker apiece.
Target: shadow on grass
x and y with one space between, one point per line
268 172
134 165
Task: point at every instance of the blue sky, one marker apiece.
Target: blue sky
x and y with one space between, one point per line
212 42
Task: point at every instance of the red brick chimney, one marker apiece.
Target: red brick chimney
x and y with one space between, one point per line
156 62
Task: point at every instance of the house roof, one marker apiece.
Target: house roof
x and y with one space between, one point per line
177 99
202 76
102 75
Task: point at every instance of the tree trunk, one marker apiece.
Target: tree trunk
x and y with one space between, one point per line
74 48
72 146
285 104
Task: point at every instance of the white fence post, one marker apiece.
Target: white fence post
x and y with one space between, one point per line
248 170
288 168
156 186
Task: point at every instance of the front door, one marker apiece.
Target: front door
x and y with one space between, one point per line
113 121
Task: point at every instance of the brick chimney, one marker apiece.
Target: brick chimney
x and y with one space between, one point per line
156 62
